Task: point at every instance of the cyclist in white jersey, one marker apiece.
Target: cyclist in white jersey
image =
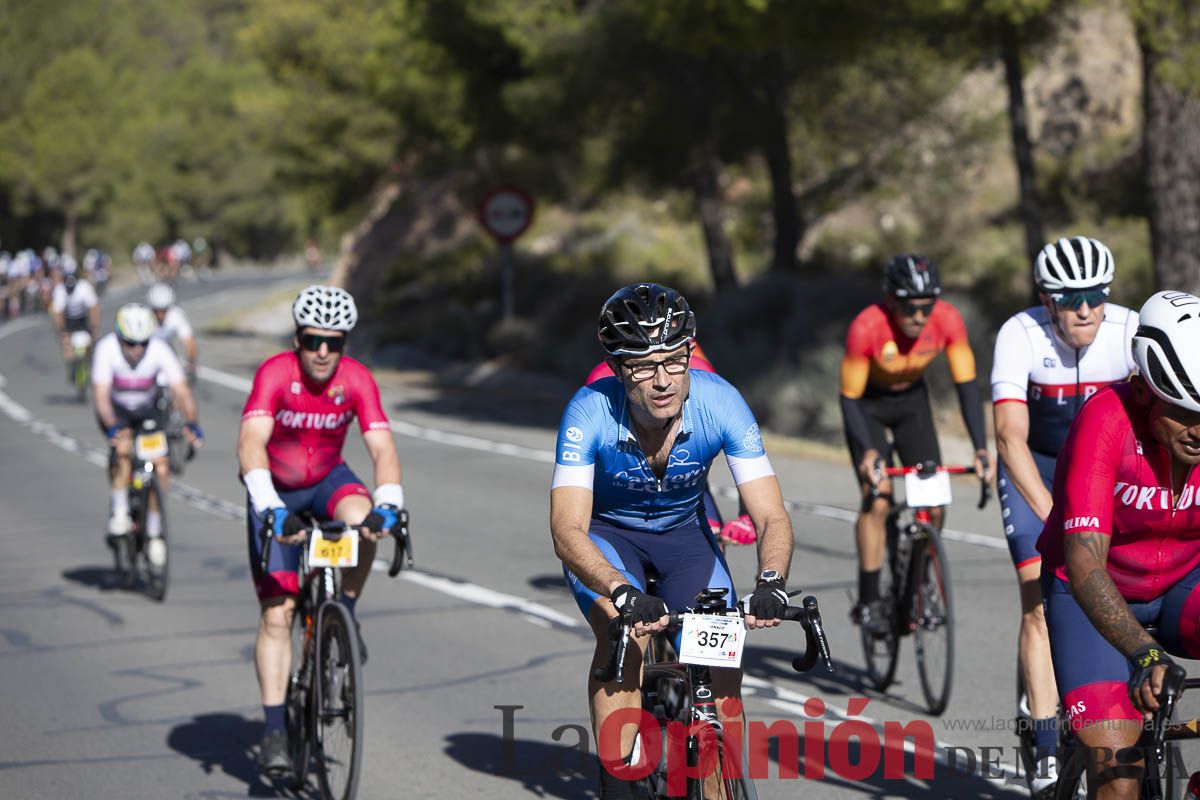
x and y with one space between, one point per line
1049 360
125 372
74 307
173 325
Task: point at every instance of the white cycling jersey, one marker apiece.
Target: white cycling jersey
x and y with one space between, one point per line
1033 365
76 304
174 327
135 387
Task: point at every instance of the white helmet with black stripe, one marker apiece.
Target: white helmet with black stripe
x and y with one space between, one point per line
1166 347
1075 263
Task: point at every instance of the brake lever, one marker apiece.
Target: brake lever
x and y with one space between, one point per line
402 553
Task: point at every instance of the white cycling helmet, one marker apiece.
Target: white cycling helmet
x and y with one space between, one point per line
1075 263
1166 347
326 307
135 323
160 296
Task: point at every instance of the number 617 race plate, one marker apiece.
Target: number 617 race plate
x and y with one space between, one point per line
712 640
341 551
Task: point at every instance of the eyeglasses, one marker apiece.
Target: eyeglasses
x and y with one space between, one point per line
133 345
910 309
1075 299
646 371
312 342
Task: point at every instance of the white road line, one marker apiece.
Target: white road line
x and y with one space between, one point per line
17 325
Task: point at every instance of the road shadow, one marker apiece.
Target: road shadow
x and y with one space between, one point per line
542 768
103 578
229 743
550 582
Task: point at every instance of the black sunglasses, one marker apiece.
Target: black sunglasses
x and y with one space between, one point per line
312 342
129 343
910 309
1075 299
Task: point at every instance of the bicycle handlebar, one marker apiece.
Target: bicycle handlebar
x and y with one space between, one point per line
816 644
402 554
929 468
1173 684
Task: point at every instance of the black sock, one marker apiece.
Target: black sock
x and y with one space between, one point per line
868 586
613 788
274 717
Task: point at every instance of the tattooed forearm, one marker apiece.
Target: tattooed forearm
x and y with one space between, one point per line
1106 608
1093 543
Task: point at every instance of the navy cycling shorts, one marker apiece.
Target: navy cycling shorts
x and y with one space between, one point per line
320 499
1091 673
686 560
1022 527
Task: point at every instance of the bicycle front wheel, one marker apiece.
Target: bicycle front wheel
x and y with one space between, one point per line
338 712
933 616
157 573
881 652
1072 775
299 699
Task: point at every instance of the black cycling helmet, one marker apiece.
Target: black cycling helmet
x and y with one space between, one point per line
645 318
70 281
912 276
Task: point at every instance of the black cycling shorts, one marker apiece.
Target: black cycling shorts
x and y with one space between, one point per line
909 419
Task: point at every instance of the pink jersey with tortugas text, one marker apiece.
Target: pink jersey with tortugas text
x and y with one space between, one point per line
1113 477
311 421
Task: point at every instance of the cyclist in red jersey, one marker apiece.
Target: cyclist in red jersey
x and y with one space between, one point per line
290 453
1121 547
739 530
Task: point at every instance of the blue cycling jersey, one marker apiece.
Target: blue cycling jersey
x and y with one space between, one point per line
598 450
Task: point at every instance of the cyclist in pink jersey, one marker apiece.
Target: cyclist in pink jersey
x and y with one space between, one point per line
290 453
1121 547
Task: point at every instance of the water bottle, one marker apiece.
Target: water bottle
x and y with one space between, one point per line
1193 790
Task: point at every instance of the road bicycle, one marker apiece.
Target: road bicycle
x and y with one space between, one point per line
130 552
915 585
79 371
1163 772
680 691
324 706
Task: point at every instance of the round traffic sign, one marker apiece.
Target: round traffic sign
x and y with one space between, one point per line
506 213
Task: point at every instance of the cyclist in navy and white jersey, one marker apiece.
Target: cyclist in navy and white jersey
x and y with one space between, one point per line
1049 360
633 456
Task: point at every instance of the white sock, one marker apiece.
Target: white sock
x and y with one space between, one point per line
120 501
153 524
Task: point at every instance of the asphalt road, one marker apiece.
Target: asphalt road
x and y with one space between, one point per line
106 694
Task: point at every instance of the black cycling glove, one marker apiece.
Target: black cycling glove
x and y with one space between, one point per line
382 517
767 601
644 608
1144 660
282 522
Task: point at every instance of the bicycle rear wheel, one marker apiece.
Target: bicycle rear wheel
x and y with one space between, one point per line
338 711
882 653
299 706
157 574
933 615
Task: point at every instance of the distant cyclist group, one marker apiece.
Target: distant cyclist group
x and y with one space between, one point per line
1096 413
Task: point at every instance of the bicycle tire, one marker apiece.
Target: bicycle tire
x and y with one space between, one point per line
298 706
157 577
80 374
933 615
881 654
123 560
1072 775
338 706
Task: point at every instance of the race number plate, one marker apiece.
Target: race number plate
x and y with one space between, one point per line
80 340
712 640
150 446
927 491
331 552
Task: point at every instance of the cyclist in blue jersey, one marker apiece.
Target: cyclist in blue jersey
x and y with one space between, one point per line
633 456
1049 360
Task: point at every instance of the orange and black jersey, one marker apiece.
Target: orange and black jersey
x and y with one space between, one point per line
880 359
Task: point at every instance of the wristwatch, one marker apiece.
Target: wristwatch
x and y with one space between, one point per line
769 575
